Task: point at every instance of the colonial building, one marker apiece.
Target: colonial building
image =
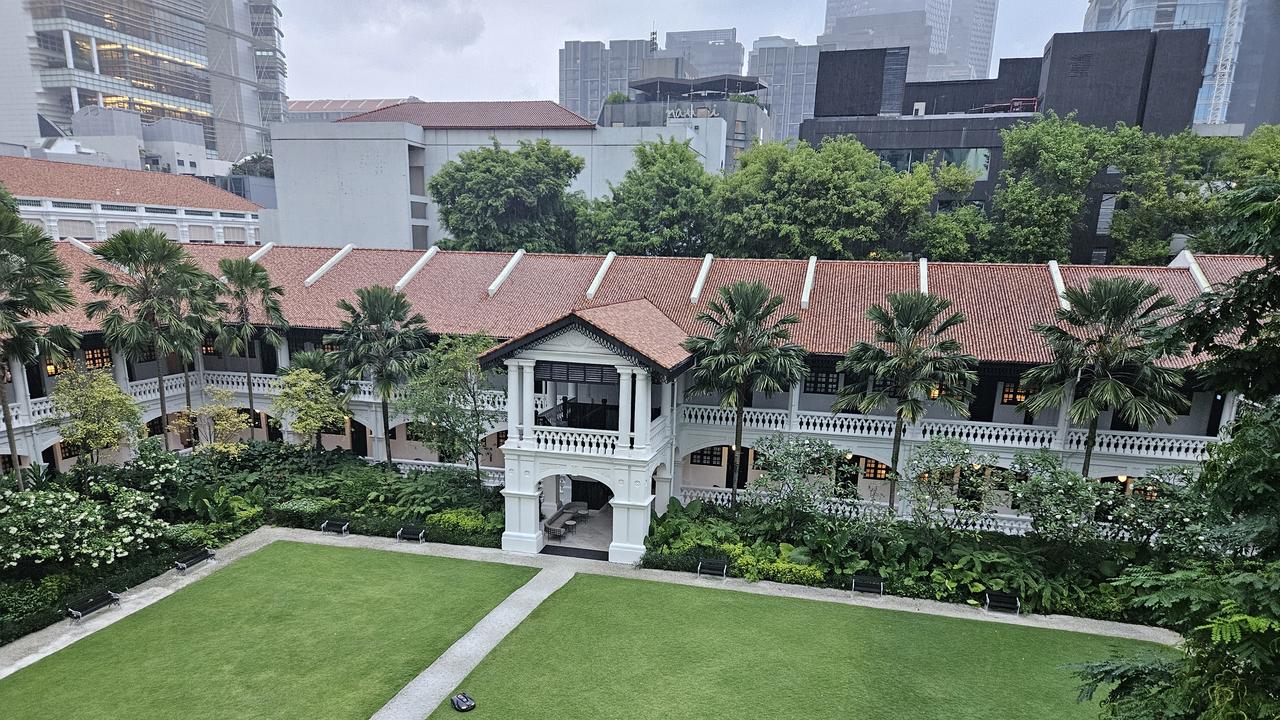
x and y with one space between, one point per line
590 383
93 203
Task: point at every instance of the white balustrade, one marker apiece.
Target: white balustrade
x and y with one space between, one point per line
1149 445
574 440
854 509
856 425
987 433
775 420
42 409
493 477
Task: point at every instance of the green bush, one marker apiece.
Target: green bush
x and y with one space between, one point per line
304 512
465 526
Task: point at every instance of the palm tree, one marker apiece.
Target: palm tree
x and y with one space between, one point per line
199 309
248 290
141 299
747 351
911 361
1107 347
382 339
33 284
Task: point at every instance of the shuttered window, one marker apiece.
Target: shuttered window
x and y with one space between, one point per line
79 229
115 227
234 235
201 233
576 373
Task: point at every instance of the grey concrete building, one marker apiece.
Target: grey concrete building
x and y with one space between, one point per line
789 72
1241 86
662 101
218 63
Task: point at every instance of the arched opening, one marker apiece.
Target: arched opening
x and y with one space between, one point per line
862 478
577 517
713 466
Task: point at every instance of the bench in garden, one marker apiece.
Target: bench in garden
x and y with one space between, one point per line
713 567
868 584
1002 602
80 607
337 526
192 558
412 532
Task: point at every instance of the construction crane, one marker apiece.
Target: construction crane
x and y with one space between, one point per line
1224 70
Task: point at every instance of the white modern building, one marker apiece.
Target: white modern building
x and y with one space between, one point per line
589 397
91 203
364 179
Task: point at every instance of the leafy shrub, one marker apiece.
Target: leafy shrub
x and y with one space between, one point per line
306 512
423 493
465 526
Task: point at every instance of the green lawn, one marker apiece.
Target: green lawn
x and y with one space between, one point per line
614 648
291 631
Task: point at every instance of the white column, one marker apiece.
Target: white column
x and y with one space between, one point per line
75 99
282 353
120 369
527 414
1230 406
93 53
513 401
1064 423
66 51
662 492
21 395
667 389
523 517
624 407
793 406
631 504
644 408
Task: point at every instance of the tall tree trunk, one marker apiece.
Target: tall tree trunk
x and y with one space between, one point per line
386 430
8 431
738 456
1089 440
253 411
162 366
897 452
191 418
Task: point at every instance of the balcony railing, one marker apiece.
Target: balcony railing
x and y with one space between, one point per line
1002 435
602 443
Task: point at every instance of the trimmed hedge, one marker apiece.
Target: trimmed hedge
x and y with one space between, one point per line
465 526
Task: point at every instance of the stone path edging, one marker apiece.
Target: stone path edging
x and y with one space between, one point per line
30 648
432 686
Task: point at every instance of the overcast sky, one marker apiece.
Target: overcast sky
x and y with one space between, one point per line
506 49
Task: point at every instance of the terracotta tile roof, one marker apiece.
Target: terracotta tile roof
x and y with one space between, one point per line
509 114
642 327
25 177
644 301
1218 269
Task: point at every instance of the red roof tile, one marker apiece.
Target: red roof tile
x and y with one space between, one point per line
1218 269
25 177
644 301
508 114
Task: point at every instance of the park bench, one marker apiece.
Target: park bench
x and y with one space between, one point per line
868 584
191 558
337 526
412 532
77 609
713 566
1002 602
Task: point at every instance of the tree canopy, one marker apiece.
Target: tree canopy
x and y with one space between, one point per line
492 198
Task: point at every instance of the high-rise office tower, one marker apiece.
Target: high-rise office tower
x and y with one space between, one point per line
590 70
789 72
1241 85
709 52
948 39
215 62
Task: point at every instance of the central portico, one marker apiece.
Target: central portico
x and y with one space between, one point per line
607 371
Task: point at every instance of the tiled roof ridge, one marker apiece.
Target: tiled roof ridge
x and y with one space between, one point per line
71 167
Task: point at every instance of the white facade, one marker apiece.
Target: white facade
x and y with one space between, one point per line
366 181
95 221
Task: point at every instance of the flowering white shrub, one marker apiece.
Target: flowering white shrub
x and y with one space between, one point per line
948 485
61 526
1062 503
154 469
